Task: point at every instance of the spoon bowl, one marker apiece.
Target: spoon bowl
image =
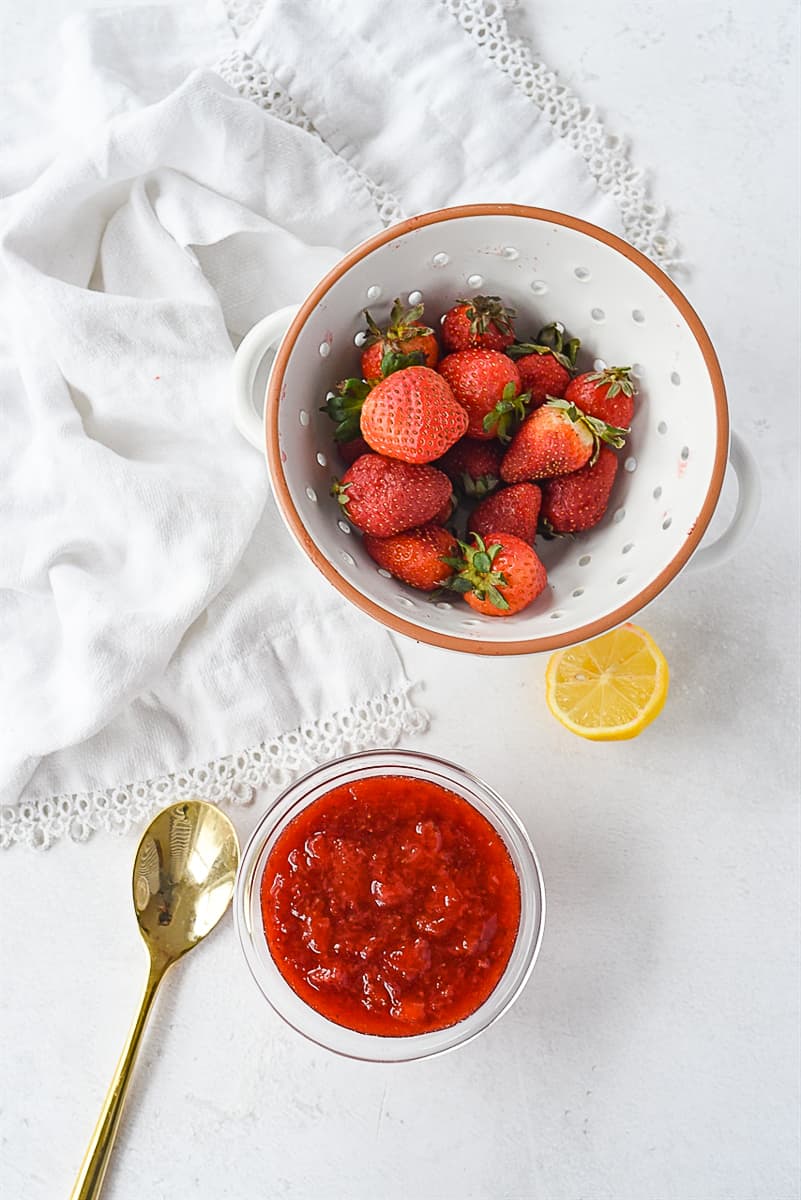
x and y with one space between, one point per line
183 876
183 879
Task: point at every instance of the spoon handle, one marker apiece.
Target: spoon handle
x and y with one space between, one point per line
93 1168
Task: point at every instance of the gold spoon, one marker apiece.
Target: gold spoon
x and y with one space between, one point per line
183 880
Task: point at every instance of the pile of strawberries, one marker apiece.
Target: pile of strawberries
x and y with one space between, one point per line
505 428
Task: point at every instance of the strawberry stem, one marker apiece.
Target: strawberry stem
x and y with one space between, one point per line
474 572
507 414
345 406
485 310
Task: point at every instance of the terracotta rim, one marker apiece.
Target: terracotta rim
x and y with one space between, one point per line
447 641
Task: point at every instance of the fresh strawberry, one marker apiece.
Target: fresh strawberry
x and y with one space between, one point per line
556 439
483 322
404 334
350 451
607 395
412 415
472 466
546 364
514 509
487 385
382 496
498 575
416 557
578 501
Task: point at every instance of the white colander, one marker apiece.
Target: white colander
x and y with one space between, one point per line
549 267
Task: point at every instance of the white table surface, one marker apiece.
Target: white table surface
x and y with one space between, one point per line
655 1053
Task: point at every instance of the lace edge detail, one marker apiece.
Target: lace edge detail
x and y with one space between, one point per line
381 720
249 78
606 155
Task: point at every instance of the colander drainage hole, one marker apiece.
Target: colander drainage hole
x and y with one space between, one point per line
539 287
469 624
599 365
444 606
475 281
582 273
675 378
405 602
441 259
627 549
360 339
585 560
304 417
344 526
324 349
310 492
384 574
630 464
415 297
321 459
348 558
619 515
597 314
685 453
638 316
622 579
373 292
578 592
511 253
668 521
555 616
657 493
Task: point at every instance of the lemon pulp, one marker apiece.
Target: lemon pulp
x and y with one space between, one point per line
609 688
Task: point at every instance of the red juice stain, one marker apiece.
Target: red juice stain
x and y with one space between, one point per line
391 906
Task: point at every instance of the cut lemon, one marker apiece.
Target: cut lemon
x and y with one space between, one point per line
610 688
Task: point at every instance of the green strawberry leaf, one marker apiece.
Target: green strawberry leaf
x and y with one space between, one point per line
345 405
507 414
497 599
395 360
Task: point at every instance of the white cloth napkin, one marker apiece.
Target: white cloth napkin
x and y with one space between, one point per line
160 632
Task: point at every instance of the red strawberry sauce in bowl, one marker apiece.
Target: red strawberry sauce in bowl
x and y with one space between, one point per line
390 906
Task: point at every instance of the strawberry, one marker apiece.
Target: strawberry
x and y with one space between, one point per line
546 364
487 385
345 404
574 502
483 322
350 451
412 415
514 509
382 496
607 395
497 576
405 334
472 466
556 439
417 557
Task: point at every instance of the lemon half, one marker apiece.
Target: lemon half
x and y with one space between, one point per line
609 688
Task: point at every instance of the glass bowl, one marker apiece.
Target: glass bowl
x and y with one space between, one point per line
295 1011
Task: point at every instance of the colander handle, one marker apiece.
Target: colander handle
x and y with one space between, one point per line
749 494
264 336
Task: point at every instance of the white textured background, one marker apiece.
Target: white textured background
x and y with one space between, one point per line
655 1054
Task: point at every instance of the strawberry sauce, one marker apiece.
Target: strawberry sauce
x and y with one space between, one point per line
391 906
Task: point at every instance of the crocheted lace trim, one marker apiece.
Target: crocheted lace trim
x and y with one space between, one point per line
380 721
606 155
